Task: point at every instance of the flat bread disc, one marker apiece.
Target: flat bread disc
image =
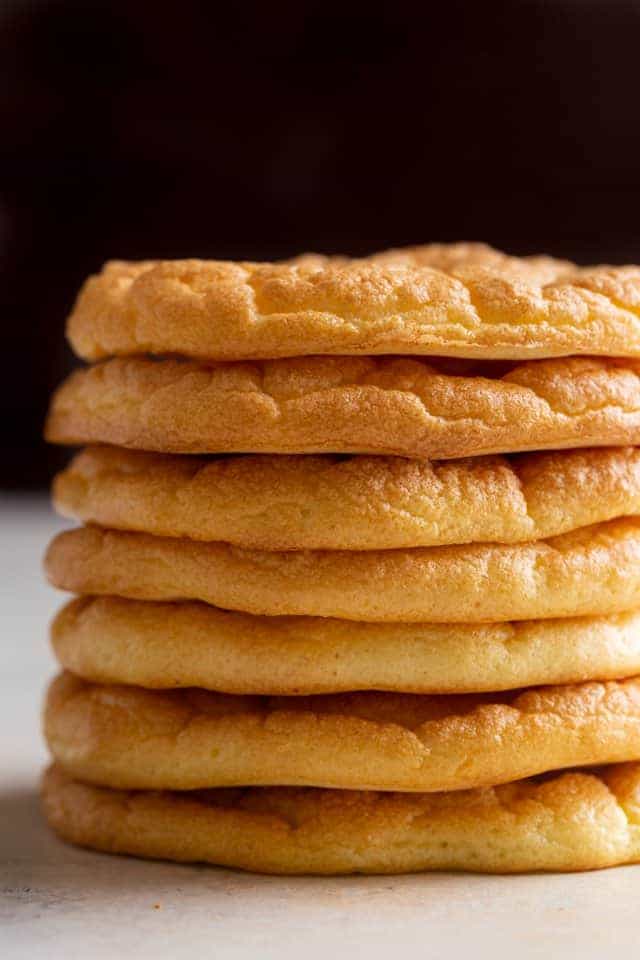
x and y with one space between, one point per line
572 821
357 503
165 645
132 738
400 407
592 571
411 304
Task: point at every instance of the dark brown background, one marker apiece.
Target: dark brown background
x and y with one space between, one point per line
257 130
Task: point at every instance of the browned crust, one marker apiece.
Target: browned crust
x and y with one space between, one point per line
422 301
164 645
448 257
592 571
574 821
360 503
127 737
348 404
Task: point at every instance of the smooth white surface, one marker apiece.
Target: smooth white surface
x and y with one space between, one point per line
57 902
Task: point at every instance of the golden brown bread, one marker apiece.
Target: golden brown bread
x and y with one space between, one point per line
572 821
128 737
448 257
592 571
396 303
163 645
359 503
461 301
349 404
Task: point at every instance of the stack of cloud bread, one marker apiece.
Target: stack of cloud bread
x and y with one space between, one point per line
359 581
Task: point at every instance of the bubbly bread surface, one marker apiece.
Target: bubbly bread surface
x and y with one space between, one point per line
592 571
131 738
572 821
539 268
447 591
165 645
418 302
402 407
358 503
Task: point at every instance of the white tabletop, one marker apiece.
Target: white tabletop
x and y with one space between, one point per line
58 902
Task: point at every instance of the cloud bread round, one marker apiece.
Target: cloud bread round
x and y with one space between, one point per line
592 571
391 304
164 645
359 503
571 821
349 405
131 738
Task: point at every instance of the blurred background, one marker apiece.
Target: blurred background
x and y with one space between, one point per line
259 130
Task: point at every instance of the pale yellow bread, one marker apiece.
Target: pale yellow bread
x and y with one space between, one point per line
359 503
393 304
592 571
349 405
164 645
127 737
571 821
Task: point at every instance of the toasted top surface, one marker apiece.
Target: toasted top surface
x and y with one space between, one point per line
462 300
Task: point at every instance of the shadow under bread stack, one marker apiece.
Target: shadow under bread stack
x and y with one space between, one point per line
387 628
